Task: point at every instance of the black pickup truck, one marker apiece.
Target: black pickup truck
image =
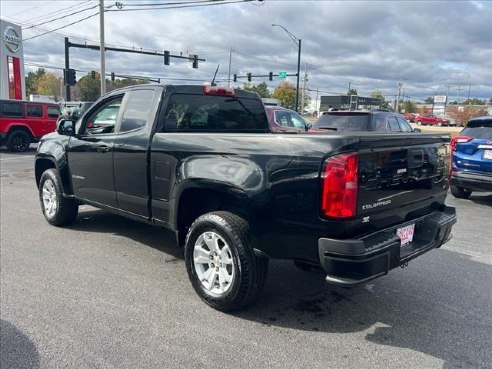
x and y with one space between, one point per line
201 161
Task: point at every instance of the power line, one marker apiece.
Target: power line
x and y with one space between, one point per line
65 26
180 5
56 12
61 17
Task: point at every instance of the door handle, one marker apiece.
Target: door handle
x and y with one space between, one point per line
103 149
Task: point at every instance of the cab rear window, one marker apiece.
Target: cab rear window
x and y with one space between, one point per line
191 113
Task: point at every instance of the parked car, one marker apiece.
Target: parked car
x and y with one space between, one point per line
362 120
410 117
471 158
285 120
23 122
431 119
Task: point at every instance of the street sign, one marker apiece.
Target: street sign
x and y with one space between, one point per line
282 74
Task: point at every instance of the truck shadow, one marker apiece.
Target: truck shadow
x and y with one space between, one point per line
482 200
428 307
439 316
16 349
95 220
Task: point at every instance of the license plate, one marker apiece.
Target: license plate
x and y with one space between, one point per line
487 154
406 234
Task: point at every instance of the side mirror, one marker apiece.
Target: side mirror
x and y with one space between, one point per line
308 126
65 127
417 130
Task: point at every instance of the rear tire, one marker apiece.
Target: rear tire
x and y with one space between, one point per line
57 210
18 141
460 192
221 264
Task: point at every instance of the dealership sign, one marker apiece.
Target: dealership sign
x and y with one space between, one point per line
440 99
11 39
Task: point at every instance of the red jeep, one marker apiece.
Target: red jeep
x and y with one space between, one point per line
431 119
23 122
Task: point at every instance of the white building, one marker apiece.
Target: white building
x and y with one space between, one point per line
12 80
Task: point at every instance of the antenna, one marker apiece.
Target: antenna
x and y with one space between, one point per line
215 75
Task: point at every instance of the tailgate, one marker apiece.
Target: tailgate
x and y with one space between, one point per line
401 175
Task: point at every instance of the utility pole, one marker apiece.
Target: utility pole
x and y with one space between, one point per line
230 62
303 90
469 90
102 47
348 91
316 103
397 107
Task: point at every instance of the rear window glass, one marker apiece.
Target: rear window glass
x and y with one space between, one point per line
11 109
343 122
215 113
478 129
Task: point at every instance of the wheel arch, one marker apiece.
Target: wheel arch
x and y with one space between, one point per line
20 127
45 163
196 199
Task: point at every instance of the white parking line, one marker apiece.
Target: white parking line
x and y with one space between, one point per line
18 157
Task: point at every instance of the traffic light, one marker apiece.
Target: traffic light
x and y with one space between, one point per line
112 76
70 77
270 76
249 77
93 74
166 57
195 61
234 78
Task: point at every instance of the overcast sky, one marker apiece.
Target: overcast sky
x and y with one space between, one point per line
430 46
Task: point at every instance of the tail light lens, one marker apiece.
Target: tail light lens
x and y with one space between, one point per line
339 182
458 139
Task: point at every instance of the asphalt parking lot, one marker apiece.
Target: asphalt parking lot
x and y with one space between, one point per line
109 292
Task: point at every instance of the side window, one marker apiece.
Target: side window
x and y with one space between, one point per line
11 109
137 110
404 126
298 121
379 123
34 110
393 124
53 112
103 119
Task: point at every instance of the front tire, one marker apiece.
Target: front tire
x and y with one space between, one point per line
18 141
419 123
57 210
221 263
460 192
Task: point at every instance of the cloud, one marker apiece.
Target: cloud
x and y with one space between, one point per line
429 45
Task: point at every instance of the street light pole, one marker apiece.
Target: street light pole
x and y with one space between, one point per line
297 41
102 47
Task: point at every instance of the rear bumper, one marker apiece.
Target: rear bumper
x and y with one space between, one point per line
472 182
355 261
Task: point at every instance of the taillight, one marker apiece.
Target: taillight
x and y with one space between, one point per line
458 139
339 186
218 91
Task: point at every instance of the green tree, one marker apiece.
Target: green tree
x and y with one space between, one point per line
352 91
285 92
89 89
409 107
124 82
49 84
429 100
32 81
379 95
261 89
